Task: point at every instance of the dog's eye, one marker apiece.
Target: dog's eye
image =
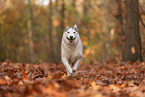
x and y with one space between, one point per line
74 32
67 32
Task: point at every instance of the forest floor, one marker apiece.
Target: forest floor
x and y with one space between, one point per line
111 79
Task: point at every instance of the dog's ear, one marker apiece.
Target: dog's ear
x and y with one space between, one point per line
66 28
75 26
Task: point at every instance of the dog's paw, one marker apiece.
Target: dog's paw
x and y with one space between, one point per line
74 71
69 74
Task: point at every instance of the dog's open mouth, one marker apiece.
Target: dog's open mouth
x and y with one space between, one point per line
71 40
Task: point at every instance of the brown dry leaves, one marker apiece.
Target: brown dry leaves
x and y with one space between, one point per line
111 79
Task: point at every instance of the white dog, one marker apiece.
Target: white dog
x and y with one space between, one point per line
71 49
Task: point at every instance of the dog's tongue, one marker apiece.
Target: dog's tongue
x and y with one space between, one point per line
71 41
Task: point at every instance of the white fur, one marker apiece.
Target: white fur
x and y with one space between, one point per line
71 53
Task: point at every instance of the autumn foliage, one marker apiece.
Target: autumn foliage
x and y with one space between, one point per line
30 36
111 79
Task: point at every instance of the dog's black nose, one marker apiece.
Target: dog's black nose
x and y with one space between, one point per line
71 37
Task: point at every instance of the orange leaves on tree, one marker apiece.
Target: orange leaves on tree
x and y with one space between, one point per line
2 0
87 51
84 40
85 43
56 23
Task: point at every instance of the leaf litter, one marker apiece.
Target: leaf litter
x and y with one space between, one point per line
111 79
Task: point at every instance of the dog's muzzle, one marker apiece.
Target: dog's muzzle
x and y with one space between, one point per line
71 39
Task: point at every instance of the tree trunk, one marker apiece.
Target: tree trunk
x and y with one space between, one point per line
30 32
86 7
74 4
57 33
62 16
108 22
51 46
79 5
61 27
132 50
72 13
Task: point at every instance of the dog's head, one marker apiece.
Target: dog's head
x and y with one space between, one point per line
71 33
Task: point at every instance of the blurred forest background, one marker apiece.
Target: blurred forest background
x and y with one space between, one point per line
31 30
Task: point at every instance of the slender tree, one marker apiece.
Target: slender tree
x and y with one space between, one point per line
132 50
30 30
61 26
57 31
86 7
51 42
119 16
108 23
62 16
72 12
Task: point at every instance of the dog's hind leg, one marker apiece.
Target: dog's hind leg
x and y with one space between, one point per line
66 64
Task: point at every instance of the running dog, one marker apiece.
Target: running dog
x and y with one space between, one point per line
71 49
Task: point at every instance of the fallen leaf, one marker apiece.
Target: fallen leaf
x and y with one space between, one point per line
7 78
114 88
133 50
94 86
49 75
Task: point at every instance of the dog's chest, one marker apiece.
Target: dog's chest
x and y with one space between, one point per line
73 54
73 57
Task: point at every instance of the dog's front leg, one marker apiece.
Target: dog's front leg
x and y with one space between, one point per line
68 68
76 65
